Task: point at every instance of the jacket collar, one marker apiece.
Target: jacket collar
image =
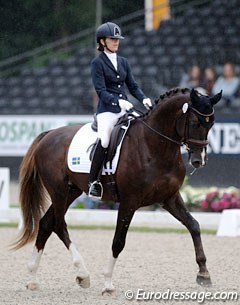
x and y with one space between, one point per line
107 61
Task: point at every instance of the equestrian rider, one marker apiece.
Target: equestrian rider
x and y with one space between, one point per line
110 72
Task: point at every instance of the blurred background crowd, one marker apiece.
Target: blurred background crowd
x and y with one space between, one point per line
209 82
46 50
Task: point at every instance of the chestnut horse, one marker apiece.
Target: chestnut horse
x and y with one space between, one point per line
150 170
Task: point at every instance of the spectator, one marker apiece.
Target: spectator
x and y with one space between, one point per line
209 80
192 79
228 82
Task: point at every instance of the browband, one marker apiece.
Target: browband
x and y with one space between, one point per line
202 114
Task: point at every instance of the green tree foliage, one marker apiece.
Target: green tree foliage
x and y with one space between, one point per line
31 23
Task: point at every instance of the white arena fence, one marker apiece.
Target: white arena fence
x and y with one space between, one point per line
4 188
142 218
226 223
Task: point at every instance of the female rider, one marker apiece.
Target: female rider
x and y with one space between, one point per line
110 72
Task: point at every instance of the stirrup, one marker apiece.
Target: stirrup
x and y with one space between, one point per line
95 190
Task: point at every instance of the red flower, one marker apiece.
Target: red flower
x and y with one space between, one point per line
217 202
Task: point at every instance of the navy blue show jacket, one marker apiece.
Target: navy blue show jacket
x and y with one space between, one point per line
109 83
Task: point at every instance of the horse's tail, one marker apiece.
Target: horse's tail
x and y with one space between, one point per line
32 195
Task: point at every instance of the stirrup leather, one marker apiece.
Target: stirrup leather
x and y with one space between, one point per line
95 190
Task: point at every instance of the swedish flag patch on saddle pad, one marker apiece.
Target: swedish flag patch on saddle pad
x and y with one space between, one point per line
78 158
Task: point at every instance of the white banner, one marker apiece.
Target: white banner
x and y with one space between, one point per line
4 188
18 131
224 138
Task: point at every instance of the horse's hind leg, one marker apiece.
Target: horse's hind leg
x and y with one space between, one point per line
53 220
46 226
60 228
176 207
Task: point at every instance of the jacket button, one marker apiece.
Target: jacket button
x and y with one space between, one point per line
120 95
118 76
119 86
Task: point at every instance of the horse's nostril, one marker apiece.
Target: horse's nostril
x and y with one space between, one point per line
196 164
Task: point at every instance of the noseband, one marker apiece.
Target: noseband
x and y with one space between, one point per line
186 140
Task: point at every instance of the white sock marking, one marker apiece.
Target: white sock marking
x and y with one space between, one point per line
78 261
108 272
33 266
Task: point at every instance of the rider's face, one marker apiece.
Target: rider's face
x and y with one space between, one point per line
112 44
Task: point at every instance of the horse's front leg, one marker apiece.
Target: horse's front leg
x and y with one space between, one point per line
123 222
176 207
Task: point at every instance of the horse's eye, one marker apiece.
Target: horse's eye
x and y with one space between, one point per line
194 124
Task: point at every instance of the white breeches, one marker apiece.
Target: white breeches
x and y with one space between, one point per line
106 122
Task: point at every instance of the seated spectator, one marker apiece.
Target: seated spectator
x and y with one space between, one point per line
209 79
192 79
229 83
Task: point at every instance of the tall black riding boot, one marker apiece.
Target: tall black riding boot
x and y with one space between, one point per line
95 186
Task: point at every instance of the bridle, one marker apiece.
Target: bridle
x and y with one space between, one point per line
186 140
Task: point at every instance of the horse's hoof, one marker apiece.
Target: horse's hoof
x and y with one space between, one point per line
83 282
32 286
108 291
204 280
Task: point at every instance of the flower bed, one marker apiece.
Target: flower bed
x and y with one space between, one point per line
211 199
220 200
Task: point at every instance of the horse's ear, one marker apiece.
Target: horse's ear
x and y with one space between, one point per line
216 98
194 97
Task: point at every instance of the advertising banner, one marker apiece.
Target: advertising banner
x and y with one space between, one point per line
18 132
224 138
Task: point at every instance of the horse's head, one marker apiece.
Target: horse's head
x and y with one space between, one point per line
196 121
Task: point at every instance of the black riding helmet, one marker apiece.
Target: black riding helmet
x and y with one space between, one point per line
108 30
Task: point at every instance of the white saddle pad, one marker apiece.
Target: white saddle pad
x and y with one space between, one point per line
78 153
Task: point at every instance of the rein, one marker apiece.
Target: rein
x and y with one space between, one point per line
160 134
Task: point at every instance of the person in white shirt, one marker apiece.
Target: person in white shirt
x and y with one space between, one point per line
228 82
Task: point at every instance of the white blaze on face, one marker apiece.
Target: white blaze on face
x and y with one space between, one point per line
203 156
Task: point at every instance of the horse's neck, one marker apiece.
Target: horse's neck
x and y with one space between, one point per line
163 120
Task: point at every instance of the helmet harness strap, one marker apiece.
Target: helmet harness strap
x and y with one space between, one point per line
105 46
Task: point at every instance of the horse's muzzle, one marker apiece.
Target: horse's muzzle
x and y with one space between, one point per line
198 158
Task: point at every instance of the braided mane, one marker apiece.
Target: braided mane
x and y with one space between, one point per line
171 93
164 98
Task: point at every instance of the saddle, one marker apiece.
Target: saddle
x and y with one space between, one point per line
116 135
